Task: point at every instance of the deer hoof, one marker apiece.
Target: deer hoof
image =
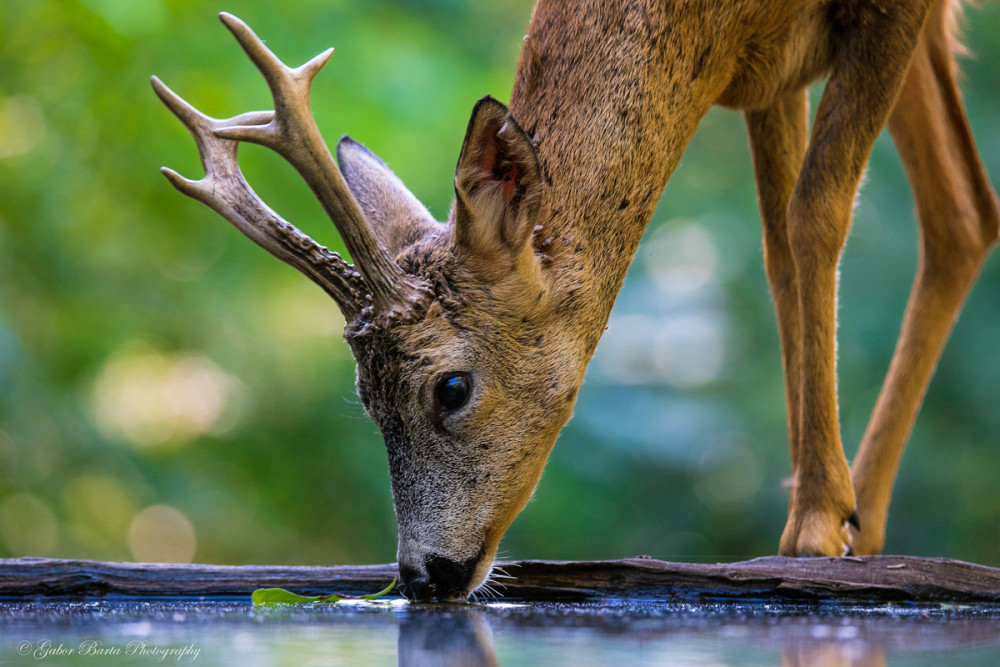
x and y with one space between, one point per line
817 534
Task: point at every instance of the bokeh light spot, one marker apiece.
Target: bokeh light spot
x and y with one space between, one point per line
162 534
684 351
22 127
680 257
99 509
27 525
149 398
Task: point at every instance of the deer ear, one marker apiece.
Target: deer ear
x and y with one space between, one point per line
395 215
498 185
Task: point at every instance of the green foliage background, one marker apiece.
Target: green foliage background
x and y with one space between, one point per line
119 298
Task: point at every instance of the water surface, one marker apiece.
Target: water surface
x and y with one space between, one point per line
391 631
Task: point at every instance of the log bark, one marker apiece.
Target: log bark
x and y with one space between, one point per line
869 580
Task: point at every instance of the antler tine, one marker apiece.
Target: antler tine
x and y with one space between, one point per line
226 191
293 134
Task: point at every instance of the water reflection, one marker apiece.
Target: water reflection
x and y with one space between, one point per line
598 632
831 654
645 632
445 636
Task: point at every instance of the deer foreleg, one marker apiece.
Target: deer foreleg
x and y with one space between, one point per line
778 143
959 218
854 107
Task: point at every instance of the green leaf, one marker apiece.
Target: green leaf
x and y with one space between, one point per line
263 597
384 591
270 596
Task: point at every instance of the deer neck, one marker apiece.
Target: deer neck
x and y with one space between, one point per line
610 103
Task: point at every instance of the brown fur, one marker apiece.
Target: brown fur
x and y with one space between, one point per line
547 218
654 69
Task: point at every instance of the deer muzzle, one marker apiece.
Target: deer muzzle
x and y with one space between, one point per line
436 577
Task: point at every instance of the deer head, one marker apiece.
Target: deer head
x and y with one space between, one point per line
467 355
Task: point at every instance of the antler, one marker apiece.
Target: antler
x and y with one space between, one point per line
291 131
226 191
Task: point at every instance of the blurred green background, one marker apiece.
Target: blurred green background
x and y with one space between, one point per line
168 391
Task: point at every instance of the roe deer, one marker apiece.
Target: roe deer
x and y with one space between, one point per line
471 336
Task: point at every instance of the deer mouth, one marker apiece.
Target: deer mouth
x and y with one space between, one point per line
438 578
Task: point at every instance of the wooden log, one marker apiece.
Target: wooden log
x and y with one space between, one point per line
872 579
57 578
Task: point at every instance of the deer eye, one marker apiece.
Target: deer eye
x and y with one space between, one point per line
452 391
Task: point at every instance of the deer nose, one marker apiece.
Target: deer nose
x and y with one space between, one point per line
439 577
450 578
413 583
